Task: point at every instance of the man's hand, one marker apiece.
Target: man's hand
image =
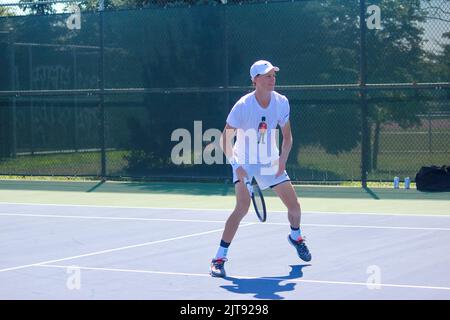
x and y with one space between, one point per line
241 173
281 167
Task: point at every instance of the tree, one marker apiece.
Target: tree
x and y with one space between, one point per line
5 11
396 54
315 42
177 49
36 7
116 4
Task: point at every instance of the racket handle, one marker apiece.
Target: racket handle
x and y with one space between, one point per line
249 186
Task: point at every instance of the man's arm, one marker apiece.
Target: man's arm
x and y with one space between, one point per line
285 147
226 141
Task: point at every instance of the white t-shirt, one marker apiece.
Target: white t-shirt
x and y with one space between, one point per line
257 135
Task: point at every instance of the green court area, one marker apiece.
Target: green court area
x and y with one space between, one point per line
213 196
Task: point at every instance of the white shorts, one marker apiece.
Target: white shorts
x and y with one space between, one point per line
263 174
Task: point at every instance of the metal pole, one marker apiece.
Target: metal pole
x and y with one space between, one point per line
429 134
31 113
4 112
362 83
226 67
75 101
12 63
101 80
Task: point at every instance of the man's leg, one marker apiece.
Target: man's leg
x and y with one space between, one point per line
231 226
288 196
239 212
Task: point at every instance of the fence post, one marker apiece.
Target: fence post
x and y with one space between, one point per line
363 94
430 150
12 117
31 106
75 100
226 68
102 89
4 112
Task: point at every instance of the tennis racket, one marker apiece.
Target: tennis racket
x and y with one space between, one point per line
257 199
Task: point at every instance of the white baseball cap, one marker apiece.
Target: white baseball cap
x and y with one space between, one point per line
261 67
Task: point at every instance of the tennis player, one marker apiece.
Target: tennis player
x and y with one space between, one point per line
253 120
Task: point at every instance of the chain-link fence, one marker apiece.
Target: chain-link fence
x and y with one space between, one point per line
119 92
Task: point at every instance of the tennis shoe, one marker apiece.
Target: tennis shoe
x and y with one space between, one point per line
217 268
302 250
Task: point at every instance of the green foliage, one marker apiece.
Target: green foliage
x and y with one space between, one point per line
36 7
5 11
210 46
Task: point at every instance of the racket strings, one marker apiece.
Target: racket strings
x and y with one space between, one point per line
258 201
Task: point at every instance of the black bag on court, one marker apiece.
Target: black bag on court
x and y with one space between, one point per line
433 178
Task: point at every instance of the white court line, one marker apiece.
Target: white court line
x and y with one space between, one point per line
221 210
247 277
105 217
115 249
218 221
367 227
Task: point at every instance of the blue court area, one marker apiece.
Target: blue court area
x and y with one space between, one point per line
101 252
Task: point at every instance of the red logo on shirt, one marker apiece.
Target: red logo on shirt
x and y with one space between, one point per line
262 129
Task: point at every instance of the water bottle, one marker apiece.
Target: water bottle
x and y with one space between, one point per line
396 182
407 182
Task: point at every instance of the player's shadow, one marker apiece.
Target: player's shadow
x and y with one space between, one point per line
266 287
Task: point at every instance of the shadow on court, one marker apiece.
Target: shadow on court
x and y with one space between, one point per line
265 287
216 189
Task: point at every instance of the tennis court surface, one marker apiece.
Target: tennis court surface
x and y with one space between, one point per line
90 240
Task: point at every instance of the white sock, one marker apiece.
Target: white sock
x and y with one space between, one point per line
295 234
221 253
